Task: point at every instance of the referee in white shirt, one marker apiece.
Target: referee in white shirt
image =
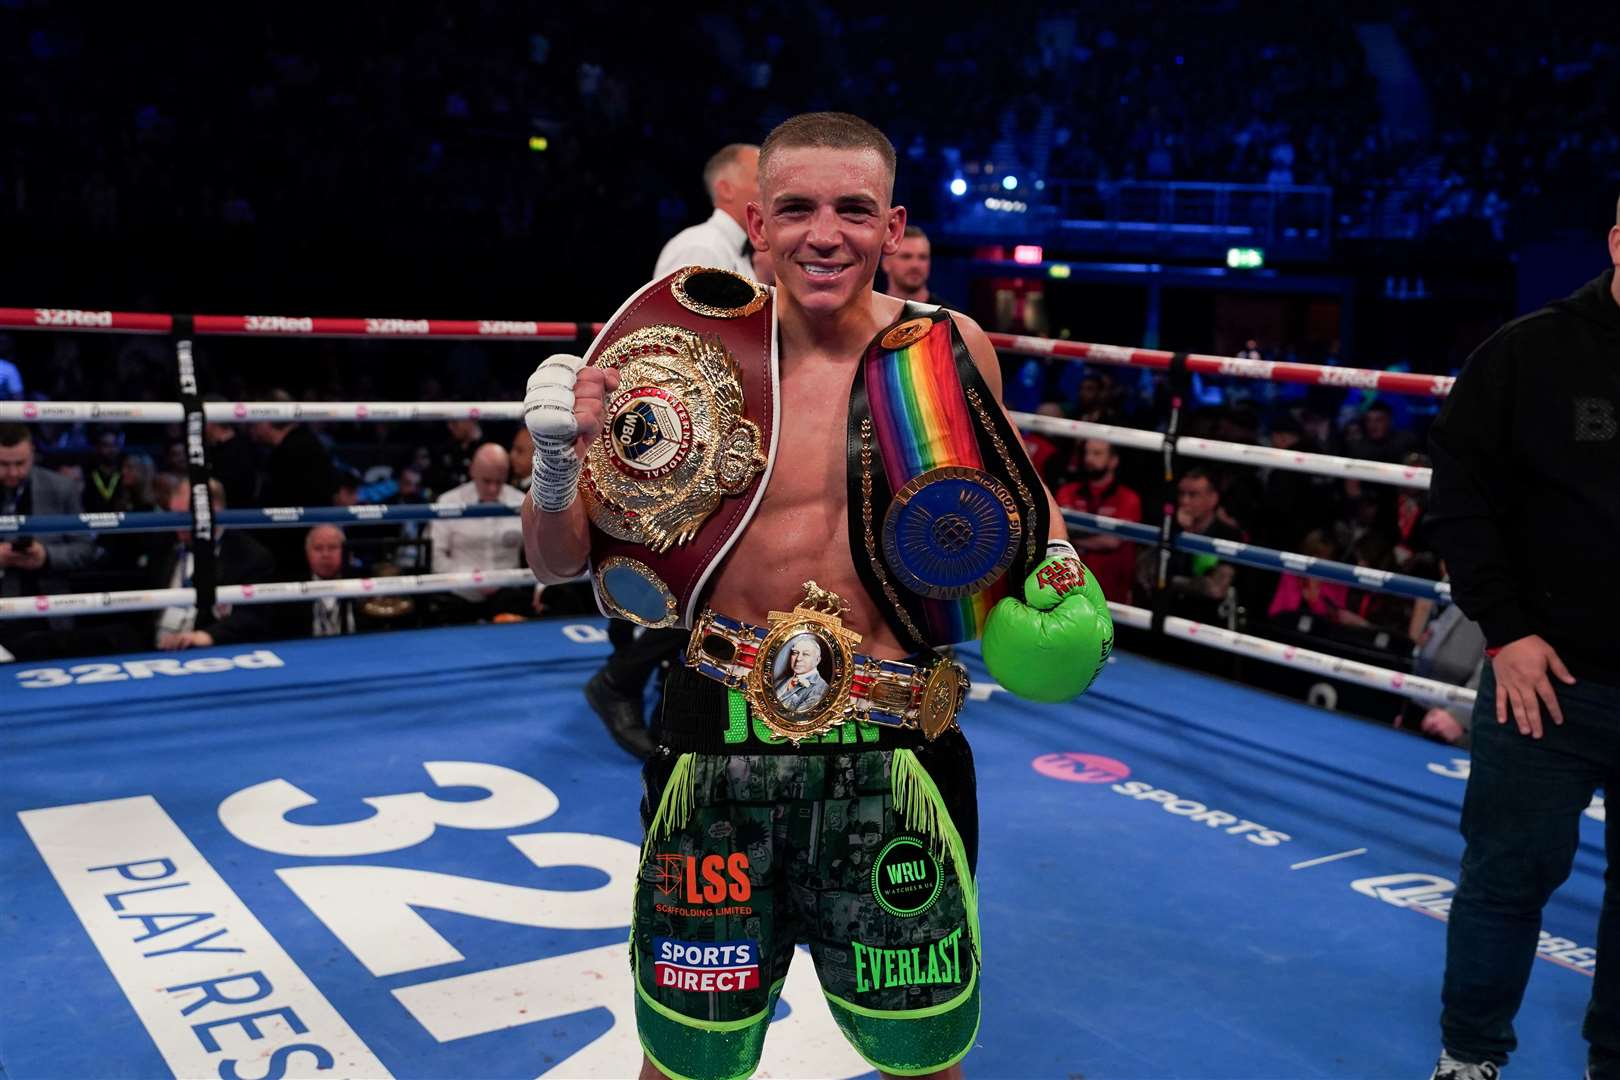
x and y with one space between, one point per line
732 180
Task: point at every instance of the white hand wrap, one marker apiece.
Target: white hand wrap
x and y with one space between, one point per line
1058 549
548 410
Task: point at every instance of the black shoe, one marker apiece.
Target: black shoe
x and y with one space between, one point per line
620 715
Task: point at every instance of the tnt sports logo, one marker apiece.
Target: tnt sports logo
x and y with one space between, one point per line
712 879
1082 768
720 967
905 878
651 433
1062 577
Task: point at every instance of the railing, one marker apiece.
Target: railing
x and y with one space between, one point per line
1192 218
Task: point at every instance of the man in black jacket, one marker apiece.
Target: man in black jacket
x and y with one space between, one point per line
299 473
324 616
1525 508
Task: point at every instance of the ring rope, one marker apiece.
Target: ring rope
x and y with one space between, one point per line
76 319
246 412
1395 382
1415 687
1264 558
272 592
1410 476
131 322
269 517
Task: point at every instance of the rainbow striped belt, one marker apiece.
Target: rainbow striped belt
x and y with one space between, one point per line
943 500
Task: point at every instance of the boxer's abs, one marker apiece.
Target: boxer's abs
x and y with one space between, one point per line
801 530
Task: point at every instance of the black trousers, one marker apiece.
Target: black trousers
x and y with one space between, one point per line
635 657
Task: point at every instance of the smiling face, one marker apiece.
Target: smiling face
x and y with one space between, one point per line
825 219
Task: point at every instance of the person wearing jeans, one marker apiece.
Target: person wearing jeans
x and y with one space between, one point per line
1525 509
1521 820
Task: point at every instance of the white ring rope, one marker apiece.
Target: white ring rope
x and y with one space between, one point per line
1410 476
1415 687
274 592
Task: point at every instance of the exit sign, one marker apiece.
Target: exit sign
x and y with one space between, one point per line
1245 258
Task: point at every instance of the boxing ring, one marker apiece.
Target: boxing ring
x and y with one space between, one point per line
410 854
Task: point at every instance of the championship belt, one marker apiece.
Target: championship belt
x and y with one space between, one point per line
683 457
802 675
944 505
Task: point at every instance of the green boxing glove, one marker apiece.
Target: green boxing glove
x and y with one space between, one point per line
1053 643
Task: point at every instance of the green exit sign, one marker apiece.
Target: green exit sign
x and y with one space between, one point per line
1245 258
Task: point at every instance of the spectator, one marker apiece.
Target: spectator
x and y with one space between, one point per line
1199 583
1046 450
299 473
1111 559
1449 647
326 616
452 460
126 556
1292 503
462 545
522 454
104 484
32 565
907 269
233 459
731 178
238 560
1380 440
1300 595
175 459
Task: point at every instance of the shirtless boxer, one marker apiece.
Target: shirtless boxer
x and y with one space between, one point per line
860 843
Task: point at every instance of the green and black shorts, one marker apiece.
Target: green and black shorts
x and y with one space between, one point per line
861 847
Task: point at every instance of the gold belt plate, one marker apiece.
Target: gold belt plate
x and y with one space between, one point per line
674 438
800 682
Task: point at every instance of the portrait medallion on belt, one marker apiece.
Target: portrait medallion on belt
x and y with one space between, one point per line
799 686
951 532
674 439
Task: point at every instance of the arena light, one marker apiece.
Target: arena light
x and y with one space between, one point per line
1245 258
959 187
539 143
1028 254
1009 182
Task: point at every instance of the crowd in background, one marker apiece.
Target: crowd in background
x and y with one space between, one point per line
206 150
509 145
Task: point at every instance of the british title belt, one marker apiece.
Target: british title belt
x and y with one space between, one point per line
684 452
945 507
802 676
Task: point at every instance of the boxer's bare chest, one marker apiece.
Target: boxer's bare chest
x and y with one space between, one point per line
801 530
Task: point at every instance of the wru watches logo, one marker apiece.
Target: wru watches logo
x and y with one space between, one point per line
905 878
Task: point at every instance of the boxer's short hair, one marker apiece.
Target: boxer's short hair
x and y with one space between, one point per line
833 130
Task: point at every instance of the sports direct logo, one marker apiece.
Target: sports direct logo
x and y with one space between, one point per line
722 967
1082 768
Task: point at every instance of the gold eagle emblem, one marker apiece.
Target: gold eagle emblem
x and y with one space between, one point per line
674 439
